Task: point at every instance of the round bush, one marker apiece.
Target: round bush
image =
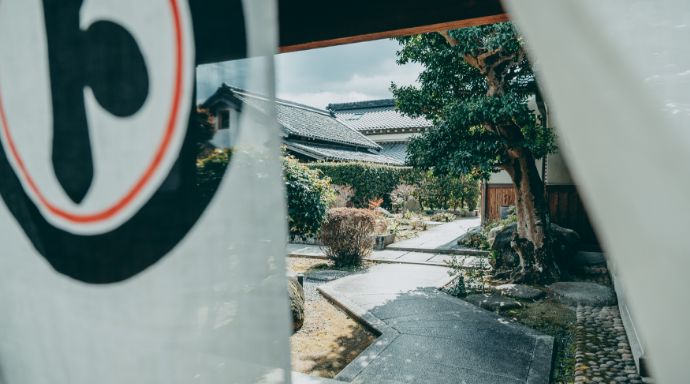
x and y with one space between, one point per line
309 197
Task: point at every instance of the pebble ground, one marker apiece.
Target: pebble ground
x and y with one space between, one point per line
602 352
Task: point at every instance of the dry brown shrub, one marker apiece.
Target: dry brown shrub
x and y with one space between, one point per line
347 235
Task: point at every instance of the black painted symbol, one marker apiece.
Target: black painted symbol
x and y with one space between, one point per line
105 58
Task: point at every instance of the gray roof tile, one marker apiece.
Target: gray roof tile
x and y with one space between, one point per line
301 120
397 151
375 114
320 152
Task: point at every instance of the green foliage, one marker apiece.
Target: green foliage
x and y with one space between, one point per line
309 197
474 275
445 191
369 181
475 87
347 235
373 181
476 240
444 217
479 240
457 287
210 170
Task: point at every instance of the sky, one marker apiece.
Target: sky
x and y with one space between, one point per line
354 72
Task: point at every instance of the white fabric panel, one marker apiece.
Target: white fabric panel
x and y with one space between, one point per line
213 310
616 74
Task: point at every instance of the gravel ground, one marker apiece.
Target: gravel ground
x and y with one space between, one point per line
329 338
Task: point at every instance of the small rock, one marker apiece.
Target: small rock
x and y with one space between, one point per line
519 291
296 294
492 302
384 212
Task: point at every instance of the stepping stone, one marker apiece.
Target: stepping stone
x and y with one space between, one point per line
591 294
519 291
492 301
326 275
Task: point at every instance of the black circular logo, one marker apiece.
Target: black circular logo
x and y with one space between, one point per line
97 159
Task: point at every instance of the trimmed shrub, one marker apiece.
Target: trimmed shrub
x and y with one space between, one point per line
347 235
369 181
210 170
309 197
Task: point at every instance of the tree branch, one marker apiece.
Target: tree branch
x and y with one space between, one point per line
453 42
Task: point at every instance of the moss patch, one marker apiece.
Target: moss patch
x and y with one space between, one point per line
555 320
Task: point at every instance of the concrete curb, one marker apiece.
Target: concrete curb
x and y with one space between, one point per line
543 352
385 334
380 261
461 252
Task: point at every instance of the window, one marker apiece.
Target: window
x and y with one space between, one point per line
224 119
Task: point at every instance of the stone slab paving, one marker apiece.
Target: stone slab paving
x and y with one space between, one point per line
602 353
439 236
429 337
416 257
392 256
301 378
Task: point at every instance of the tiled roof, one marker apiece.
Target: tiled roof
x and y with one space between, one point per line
337 107
301 120
374 115
397 151
320 152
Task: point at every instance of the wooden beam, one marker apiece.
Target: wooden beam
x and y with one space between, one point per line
396 33
219 28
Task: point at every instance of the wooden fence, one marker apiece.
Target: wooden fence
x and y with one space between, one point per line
565 207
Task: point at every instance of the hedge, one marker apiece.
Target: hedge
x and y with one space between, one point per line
370 181
309 195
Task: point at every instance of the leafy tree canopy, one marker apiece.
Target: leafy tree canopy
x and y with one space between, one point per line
475 88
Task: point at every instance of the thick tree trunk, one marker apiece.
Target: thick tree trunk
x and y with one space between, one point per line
531 241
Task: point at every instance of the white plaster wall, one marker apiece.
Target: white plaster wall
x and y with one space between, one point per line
557 172
502 177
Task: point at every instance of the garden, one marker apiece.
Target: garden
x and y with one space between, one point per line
479 90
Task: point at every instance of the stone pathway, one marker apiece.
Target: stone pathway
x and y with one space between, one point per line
390 256
301 378
602 351
439 237
429 337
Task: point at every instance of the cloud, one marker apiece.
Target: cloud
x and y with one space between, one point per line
354 72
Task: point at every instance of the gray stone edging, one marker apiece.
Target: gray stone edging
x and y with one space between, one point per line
377 260
543 352
385 334
461 252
